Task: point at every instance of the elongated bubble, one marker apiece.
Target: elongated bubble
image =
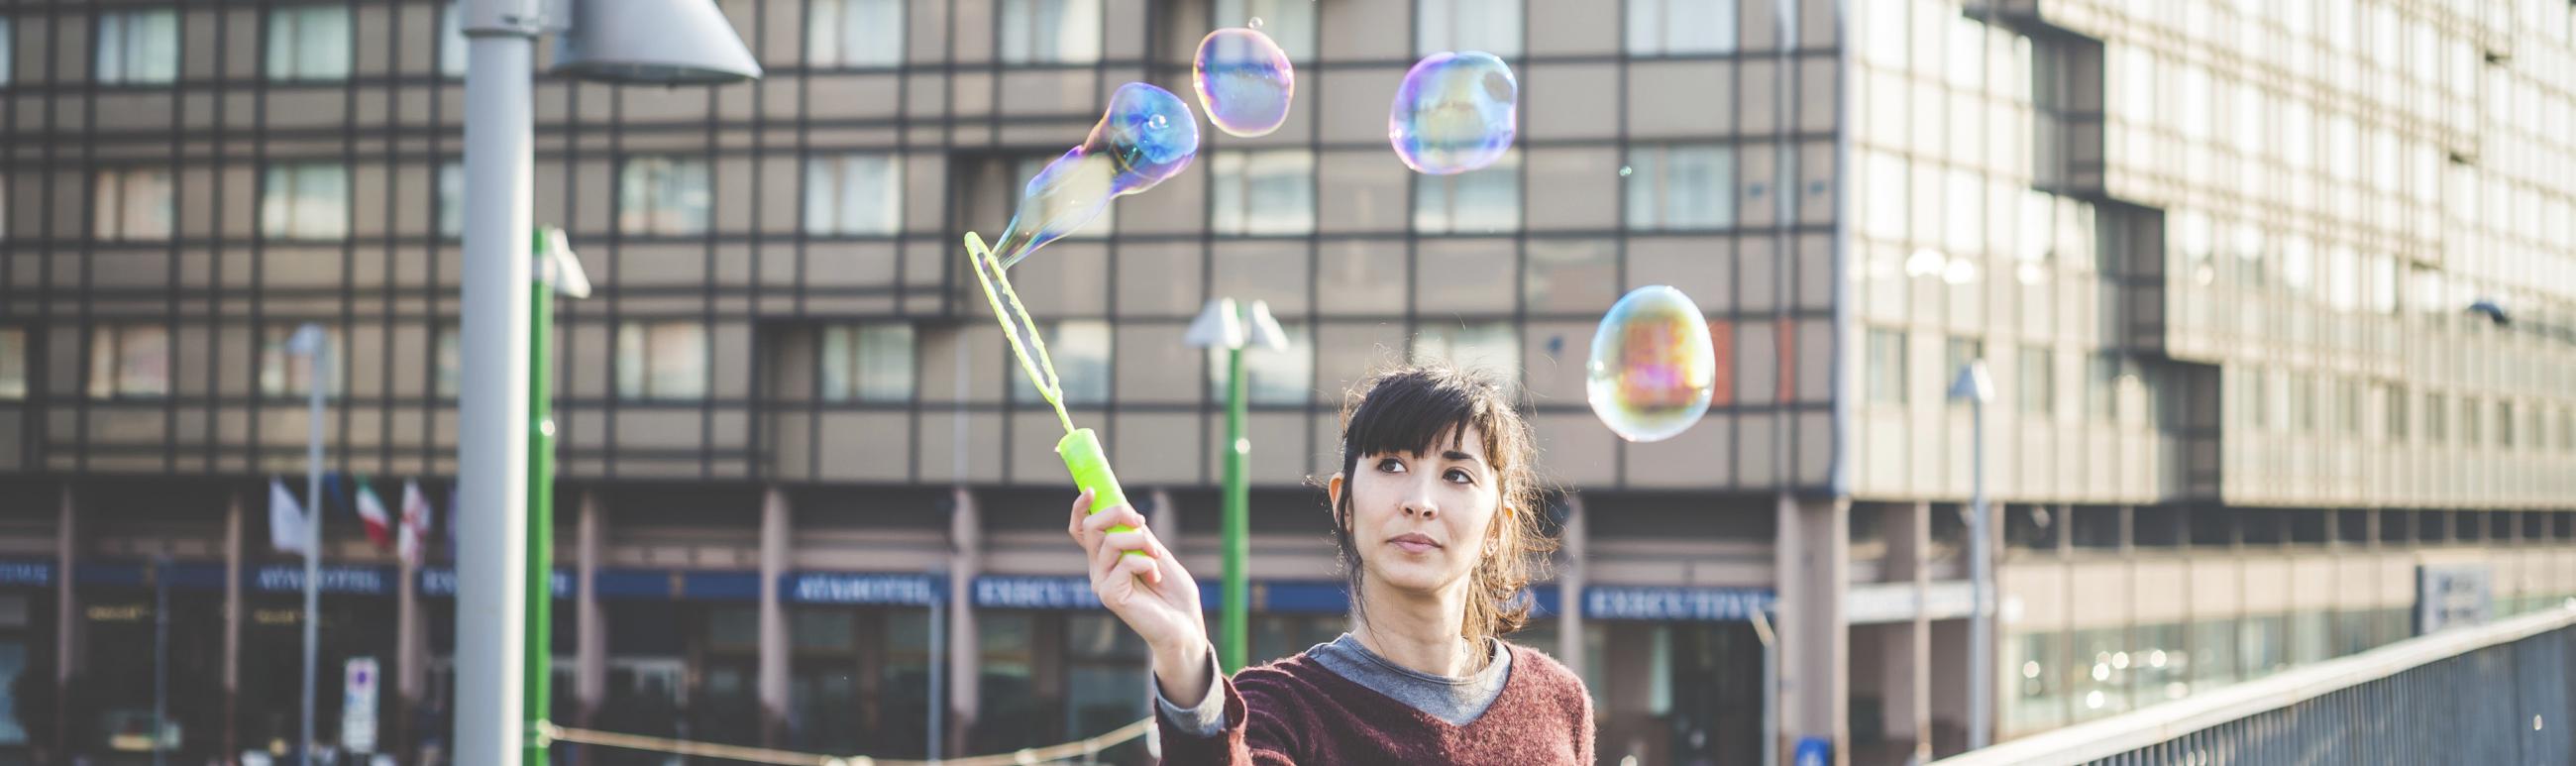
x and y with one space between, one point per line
1652 368
1146 136
1244 81
1453 113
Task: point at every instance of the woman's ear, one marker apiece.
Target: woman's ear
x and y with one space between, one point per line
1333 495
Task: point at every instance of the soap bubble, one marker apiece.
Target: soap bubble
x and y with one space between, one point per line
1147 135
1453 113
1652 368
1243 81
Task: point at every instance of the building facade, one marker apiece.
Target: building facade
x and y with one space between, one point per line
2278 299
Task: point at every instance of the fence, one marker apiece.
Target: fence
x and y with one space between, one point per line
2494 694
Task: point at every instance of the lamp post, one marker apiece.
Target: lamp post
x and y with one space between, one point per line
1977 388
1223 325
311 343
557 271
652 41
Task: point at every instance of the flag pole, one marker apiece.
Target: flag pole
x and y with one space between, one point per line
314 379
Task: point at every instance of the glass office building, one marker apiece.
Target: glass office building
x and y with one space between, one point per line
2277 297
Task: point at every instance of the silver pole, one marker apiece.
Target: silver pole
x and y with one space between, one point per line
1981 621
314 380
160 660
492 448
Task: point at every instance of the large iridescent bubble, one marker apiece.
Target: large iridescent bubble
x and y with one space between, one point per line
1147 135
1244 81
1653 367
1454 113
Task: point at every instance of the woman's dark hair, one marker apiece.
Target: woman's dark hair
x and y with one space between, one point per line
1409 410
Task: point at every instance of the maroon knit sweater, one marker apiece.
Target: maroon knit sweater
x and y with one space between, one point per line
1296 711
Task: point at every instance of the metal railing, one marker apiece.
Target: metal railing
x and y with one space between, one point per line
2500 693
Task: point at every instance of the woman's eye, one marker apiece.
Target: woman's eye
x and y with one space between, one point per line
1460 475
1390 465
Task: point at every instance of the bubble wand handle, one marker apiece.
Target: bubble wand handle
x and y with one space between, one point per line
1080 447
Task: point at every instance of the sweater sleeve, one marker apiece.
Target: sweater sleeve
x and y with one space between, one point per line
1252 735
1583 727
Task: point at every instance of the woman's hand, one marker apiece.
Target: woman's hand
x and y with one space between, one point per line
1149 591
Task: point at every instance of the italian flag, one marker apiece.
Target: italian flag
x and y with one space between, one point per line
379 524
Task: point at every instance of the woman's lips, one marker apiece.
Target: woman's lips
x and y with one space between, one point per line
1414 543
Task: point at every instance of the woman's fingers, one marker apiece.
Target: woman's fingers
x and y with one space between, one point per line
1097 524
1081 508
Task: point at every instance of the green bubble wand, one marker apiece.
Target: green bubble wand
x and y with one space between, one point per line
1147 135
1080 447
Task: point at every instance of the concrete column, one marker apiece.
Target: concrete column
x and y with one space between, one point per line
233 519
590 648
1814 572
1569 586
773 617
965 655
66 614
1909 646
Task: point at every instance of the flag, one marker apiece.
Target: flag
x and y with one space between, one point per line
415 522
285 519
372 510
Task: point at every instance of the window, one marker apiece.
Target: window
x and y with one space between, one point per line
1886 366
1098 228
854 33
2566 429
129 360
282 372
853 194
1050 31
451 200
2504 423
305 200
1680 26
662 360
868 363
1484 201
1681 187
2102 387
308 42
138 47
1290 23
1283 376
665 196
1956 354
1492 26
2348 408
133 203
2303 403
2396 398
1081 350
2470 414
450 370
13 362
2437 415
8 50
1490 347
2038 381
1262 192
451 41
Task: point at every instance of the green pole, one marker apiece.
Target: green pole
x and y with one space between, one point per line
1238 502
541 505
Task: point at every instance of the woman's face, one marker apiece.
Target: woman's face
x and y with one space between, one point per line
1420 522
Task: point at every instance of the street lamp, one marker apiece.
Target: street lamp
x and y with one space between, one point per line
1222 325
1977 388
631 41
558 271
311 343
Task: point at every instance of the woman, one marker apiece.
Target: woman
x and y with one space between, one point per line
1434 511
